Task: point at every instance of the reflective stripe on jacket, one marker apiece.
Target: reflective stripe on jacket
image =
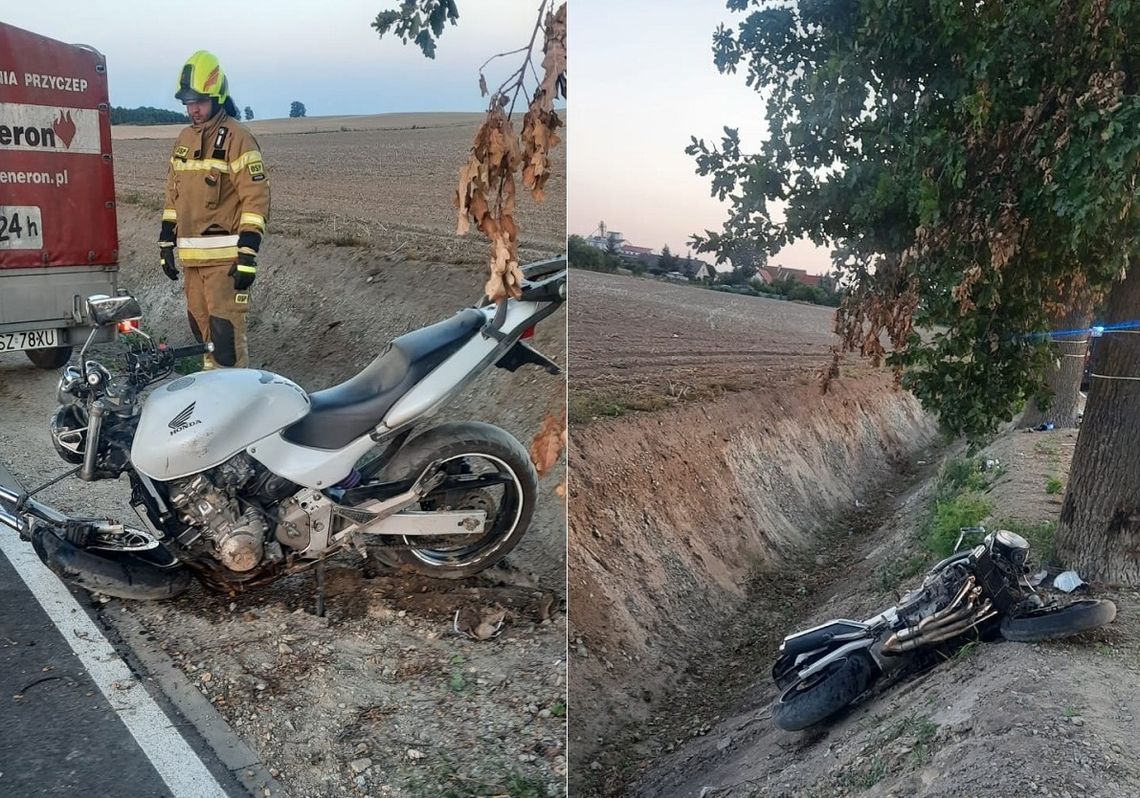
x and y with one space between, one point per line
216 190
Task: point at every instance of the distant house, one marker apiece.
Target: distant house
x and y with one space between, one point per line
764 276
778 273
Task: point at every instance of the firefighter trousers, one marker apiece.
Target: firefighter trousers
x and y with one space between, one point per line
217 314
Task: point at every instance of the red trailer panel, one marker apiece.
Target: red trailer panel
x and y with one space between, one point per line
57 189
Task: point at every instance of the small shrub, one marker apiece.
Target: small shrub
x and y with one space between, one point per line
1053 486
949 515
963 473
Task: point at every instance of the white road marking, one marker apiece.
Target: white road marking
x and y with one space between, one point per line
173 758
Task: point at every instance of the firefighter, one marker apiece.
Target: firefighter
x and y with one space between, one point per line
214 214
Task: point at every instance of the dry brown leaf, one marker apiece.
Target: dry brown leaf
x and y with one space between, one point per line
548 443
486 193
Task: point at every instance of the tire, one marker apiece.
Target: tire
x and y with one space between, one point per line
803 705
1062 620
142 577
460 442
54 358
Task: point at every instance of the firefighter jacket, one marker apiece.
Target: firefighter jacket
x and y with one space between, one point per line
217 193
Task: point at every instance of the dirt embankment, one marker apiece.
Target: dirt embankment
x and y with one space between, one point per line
672 511
1056 719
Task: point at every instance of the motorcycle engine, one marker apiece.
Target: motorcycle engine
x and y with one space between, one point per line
208 501
936 592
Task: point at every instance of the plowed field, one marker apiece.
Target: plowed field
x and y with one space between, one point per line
641 344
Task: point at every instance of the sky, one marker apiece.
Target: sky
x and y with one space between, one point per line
324 54
643 82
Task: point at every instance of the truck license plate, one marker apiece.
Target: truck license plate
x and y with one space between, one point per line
21 227
32 339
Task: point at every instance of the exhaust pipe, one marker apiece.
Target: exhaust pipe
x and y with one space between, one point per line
948 627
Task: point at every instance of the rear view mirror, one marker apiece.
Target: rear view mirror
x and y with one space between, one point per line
103 310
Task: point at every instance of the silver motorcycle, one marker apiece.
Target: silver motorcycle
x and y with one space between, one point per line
982 591
239 476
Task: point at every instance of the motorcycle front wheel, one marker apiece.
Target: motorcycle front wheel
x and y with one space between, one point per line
1057 620
504 485
817 698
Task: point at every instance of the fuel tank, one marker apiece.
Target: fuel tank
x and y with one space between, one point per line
201 420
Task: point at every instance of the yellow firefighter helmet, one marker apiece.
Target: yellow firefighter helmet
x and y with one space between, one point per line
202 78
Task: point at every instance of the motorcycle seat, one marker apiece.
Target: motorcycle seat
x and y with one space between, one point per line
342 413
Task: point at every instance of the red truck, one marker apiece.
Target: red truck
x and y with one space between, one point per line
58 230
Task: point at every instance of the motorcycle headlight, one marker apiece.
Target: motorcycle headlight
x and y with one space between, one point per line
1011 546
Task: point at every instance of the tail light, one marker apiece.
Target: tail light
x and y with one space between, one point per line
129 326
527 333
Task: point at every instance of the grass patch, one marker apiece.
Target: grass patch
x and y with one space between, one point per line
948 516
965 651
962 474
865 778
957 502
584 408
558 710
1039 535
1053 486
923 750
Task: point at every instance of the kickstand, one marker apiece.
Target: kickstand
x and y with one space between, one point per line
319 572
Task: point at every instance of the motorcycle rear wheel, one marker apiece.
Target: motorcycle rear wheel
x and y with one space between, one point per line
807 703
1058 620
509 506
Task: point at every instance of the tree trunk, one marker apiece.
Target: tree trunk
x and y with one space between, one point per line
1099 533
1064 378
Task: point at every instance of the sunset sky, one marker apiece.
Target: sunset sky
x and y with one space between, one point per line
325 55
643 83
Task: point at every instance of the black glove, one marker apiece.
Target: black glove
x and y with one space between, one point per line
166 261
244 271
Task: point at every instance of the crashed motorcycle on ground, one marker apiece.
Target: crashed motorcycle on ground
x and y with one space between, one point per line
240 477
982 591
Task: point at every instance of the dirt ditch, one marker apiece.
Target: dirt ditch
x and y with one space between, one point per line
694 640
382 697
670 514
